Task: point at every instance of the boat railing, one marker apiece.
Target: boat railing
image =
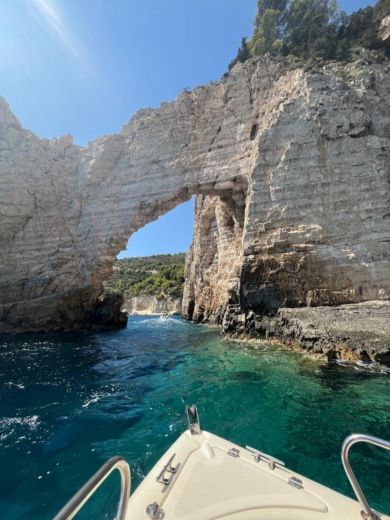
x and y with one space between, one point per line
367 513
84 494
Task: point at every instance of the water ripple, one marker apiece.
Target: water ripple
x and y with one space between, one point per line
71 401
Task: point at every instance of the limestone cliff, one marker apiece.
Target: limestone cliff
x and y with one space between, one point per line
149 304
316 225
291 171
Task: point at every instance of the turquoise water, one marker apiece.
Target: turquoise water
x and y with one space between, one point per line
69 402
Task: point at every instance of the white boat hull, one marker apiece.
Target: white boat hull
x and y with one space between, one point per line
211 484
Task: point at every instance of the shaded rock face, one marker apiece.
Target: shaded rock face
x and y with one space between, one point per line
214 259
291 172
107 315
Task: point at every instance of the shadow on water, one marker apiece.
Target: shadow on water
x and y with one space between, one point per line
70 401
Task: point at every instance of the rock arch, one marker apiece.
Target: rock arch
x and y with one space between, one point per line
290 172
67 210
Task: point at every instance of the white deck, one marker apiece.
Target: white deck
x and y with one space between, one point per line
212 485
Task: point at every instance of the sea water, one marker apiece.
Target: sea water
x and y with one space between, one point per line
71 401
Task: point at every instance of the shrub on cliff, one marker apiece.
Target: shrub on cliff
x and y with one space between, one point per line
159 275
313 29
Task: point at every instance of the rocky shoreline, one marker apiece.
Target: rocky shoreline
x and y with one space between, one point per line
150 305
353 332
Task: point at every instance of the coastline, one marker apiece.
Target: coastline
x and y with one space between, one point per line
257 343
150 305
149 312
347 333
353 332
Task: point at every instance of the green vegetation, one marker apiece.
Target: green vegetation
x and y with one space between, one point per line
159 275
314 29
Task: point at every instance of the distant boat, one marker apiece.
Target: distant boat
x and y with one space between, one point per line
205 477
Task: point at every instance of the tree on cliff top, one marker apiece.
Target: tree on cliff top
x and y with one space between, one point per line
269 27
313 29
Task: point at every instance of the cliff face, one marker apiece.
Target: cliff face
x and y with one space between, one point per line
316 226
151 305
291 171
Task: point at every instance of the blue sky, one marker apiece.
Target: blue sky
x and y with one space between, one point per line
85 67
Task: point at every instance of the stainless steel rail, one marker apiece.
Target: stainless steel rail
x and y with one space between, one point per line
367 513
84 494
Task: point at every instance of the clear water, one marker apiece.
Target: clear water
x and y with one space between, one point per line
70 401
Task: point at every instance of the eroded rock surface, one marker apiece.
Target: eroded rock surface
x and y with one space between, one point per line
355 332
316 227
150 304
291 172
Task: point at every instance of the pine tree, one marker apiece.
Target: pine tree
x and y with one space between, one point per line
311 28
314 29
269 27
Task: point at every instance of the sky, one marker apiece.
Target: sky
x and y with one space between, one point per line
85 67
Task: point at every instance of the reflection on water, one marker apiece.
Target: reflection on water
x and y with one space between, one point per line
71 401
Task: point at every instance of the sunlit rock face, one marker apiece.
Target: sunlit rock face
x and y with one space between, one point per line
316 228
384 28
149 305
291 171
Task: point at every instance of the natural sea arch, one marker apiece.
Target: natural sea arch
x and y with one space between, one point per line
290 172
170 234
75 208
